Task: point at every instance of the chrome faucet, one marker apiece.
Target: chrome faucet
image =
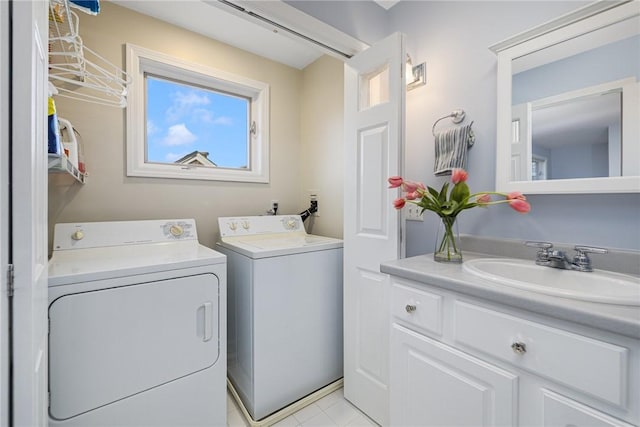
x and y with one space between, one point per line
558 259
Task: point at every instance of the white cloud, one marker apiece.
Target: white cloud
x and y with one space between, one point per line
172 157
203 115
178 135
223 120
184 103
207 116
151 128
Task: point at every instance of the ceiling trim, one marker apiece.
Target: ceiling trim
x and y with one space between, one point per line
386 4
291 22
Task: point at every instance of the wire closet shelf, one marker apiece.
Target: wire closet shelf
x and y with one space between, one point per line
76 71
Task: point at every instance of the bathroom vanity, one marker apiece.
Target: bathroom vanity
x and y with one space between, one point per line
466 351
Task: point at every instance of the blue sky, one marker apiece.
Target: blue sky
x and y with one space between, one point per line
183 118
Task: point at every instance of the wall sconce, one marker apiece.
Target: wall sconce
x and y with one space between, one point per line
416 76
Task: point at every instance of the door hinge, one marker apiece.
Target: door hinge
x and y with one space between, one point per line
10 280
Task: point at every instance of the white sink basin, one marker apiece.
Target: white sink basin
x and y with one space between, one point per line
596 286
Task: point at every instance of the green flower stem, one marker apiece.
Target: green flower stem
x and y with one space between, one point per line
448 249
448 242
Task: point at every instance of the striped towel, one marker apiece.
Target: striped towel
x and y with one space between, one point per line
451 149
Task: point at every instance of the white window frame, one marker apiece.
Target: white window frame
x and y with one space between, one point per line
141 61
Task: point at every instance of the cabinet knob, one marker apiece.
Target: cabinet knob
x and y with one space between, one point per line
519 348
410 308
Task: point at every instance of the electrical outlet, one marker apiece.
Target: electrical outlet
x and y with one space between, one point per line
412 212
313 196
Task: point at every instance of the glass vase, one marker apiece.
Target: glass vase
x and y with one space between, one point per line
447 241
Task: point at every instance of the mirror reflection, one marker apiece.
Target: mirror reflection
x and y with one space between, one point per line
568 119
579 138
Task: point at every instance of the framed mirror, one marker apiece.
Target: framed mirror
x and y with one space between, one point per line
568 104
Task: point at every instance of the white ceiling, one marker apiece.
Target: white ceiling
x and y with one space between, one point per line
221 22
208 19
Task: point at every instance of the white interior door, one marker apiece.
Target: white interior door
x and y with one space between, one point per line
374 130
4 211
521 142
29 61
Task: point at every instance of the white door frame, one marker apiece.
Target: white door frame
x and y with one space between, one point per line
4 211
29 61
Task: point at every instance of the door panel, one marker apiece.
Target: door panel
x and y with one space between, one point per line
4 211
436 385
374 130
29 211
560 411
110 344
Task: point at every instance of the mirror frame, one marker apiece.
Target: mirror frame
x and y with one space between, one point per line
571 25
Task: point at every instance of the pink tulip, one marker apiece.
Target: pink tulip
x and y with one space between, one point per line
395 181
459 175
413 196
485 198
519 205
516 195
399 203
409 186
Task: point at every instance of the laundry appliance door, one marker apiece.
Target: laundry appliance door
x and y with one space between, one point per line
109 344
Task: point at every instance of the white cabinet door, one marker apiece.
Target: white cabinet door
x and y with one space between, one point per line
29 62
436 385
560 411
374 129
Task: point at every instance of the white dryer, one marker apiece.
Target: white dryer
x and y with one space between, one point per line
137 314
285 310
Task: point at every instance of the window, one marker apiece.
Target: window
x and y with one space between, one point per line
187 121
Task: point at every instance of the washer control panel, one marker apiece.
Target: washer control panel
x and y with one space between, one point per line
118 233
249 225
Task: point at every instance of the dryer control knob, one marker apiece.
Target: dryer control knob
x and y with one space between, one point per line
176 230
290 224
78 235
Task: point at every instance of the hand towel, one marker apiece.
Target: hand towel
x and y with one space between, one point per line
451 149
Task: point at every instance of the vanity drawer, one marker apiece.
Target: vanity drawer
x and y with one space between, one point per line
417 307
593 367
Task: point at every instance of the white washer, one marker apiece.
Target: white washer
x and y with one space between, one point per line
137 314
285 310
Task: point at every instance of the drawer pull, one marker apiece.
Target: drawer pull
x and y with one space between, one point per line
410 308
519 348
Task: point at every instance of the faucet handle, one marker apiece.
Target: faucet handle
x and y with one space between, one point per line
542 256
581 260
542 245
590 250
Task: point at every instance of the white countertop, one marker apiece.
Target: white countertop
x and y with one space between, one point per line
624 320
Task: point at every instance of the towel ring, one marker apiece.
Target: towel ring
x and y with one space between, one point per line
457 116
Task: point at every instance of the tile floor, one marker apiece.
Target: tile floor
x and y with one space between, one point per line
333 410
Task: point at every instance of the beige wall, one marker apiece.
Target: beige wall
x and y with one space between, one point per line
296 164
322 155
